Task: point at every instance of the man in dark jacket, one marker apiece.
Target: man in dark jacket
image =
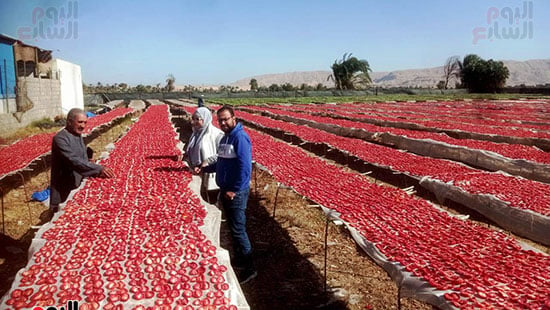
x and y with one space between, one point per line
70 159
233 169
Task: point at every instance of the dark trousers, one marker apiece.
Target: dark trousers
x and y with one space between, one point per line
236 217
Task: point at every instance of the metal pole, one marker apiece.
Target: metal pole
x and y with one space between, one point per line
256 181
26 197
276 196
6 96
399 297
45 169
3 222
326 253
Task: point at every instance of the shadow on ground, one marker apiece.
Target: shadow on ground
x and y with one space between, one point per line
286 278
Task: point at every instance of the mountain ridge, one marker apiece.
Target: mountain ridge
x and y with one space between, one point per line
529 72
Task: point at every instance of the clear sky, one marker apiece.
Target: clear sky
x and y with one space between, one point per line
221 41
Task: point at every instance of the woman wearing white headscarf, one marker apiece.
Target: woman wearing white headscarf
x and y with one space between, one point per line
202 148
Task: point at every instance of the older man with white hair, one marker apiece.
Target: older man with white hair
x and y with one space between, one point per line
70 161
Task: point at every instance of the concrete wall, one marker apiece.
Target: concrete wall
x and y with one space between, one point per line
8 104
45 96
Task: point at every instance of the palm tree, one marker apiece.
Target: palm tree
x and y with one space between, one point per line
170 80
350 72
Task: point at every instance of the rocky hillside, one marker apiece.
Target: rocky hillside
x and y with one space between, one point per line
530 72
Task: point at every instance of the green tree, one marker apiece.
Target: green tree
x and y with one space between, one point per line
482 76
288 87
350 72
253 84
140 88
320 86
274 87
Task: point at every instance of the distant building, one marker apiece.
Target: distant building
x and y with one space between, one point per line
34 85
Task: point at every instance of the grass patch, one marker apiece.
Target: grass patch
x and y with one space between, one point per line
36 127
45 123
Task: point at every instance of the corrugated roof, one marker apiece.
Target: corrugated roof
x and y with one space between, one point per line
43 54
14 40
6 39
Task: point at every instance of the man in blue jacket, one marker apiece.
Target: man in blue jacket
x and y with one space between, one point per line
233 169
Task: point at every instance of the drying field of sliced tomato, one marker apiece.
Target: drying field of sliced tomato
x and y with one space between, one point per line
364 208
130 242
475 266
518 192
134 241
512 151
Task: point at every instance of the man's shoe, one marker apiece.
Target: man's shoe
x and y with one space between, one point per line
246 275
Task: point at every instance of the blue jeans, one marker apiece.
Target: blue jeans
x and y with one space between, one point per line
236 217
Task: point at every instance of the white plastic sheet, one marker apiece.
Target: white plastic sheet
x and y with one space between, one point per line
525 223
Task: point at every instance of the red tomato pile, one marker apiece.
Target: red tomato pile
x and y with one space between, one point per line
472 115
482 127
452 120
130 242
501 110
101 119
514 151
477 267
519 192
22 153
